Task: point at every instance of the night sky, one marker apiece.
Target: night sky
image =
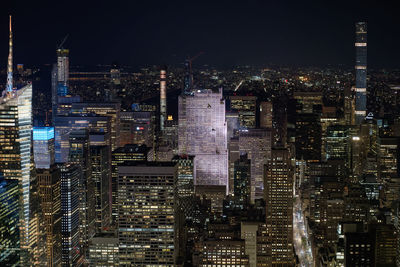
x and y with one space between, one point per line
137 33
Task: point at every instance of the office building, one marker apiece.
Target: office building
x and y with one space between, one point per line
361 72
128 153
100 158
16 163
49 181
221 253
278 232
203 134
246 107
79 154
104 250
9 218
64 125
43 147
256 143
71 250
266 114
146 226
242 181
111 110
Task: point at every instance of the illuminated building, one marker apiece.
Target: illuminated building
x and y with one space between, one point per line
100 158
277 236
104 250
361 71
185 178
9 86
232 121
49 181
43 147
146 225
79 154
242 180
71 251
256 143
9 218
221 253
337 143
128 153
203 134
308 101
64 126
16 162
246 107
248 232
308 137
111 110
136 128
266 112
163 97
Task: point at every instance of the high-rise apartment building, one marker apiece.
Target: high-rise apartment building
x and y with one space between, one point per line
43 147
361 71
163 96
146 225
203 134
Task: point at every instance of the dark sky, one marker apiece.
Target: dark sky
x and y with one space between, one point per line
137 33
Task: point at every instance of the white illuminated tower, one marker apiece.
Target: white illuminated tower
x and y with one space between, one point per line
203 134
163 97
361 71
9 88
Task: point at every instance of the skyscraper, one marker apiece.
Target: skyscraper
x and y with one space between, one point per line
146 225
361 71
163 97
203 134
43 147
278 232
71 249
10 88
16 161
50 202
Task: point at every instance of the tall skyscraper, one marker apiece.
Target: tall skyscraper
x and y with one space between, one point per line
79 154
9 219
279 210
43 147
71 249
163 97
146 225
361 71
16 162
203 134
128 153
62 71
256 143
10 88
49 183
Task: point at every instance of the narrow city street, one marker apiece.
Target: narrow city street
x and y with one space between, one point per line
300 236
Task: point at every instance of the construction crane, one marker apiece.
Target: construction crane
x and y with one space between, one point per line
189 74
63 41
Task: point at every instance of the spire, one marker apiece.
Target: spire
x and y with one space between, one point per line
10 64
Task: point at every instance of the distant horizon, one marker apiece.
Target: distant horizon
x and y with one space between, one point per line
288 33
